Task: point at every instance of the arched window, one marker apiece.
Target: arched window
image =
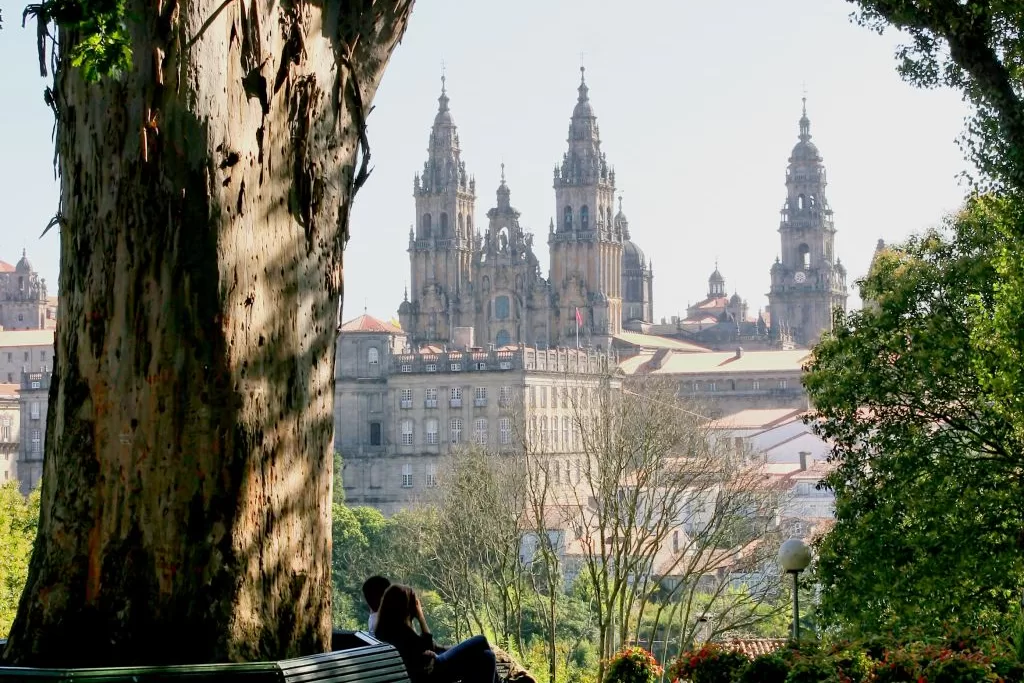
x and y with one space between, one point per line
462 225
373 356
800 202
810 201
567 218
805 256
444 225
425 226
503 338
501 308
584 218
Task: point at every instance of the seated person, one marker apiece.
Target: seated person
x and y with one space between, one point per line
471 661
373 591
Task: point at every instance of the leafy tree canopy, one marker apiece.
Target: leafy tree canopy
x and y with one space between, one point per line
928 521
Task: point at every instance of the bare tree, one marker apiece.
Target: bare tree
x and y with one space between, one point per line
659 504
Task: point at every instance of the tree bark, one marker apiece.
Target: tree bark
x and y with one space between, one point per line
205 197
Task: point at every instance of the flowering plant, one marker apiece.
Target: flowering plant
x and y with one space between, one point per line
633 665
710 664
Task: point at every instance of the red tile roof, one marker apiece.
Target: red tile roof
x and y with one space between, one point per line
6 267
367 323
755 647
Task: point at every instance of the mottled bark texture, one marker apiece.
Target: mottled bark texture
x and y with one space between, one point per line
205 198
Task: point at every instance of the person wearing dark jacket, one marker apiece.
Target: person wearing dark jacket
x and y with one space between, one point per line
471 661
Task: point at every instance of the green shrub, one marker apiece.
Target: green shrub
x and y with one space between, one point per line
710 664
959 668
769 668
633 665
896 666
814 669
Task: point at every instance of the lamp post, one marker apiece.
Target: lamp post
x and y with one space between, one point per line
794 556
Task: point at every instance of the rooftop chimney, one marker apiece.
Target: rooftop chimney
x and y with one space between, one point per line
803 459
463 338
739 352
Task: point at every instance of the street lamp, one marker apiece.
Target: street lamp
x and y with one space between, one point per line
794 556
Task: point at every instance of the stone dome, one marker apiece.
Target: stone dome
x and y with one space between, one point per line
633 257
23 265
735 299
716 277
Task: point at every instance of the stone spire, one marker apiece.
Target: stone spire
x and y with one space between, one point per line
444 167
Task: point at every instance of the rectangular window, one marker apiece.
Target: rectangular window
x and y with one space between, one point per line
554 433
455 397
783 384
42 355
504 431
431 432
755 385
34 410
480 396
480 431
543 397
26 355
37 442
375 434
407 476
406 432
565 397
505 396
712 386
431 475
431 367
533 396
406 367
565 433
456 367
35 384
455 430
405 398
431 398
544 433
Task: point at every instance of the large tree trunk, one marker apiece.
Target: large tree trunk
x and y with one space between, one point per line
186 500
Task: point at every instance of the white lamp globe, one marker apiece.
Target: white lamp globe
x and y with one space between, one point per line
794 555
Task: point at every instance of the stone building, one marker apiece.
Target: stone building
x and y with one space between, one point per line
10 421
598 279
24 304
728 382
33 405
401 414
808 280
24 351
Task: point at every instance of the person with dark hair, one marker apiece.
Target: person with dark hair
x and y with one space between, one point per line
373 591
471 661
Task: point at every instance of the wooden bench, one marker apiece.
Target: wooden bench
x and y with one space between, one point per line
363 660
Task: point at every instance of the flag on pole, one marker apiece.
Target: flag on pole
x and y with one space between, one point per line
579 324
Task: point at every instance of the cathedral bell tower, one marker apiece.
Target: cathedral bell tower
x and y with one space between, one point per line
585 242
442 243
808 281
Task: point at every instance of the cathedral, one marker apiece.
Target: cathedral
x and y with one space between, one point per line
598 280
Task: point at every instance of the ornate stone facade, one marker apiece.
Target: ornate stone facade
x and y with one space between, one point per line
808 281
23 301
492 282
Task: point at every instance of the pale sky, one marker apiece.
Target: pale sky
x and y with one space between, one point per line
697 104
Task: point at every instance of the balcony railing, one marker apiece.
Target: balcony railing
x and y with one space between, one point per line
455 403
430 403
